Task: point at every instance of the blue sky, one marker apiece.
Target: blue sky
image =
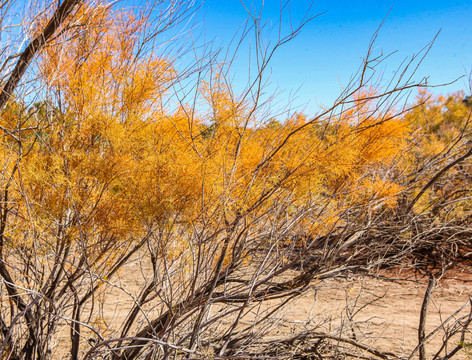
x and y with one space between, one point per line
329 49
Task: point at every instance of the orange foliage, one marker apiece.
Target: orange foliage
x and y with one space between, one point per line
112 160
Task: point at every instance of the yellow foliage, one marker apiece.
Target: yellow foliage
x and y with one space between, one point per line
110 160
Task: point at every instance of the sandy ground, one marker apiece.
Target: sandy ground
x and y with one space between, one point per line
381 313
385 314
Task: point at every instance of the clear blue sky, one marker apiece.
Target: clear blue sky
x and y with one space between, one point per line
329 49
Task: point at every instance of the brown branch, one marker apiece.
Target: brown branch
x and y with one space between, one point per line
317 335
437 176
61 13
423 313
